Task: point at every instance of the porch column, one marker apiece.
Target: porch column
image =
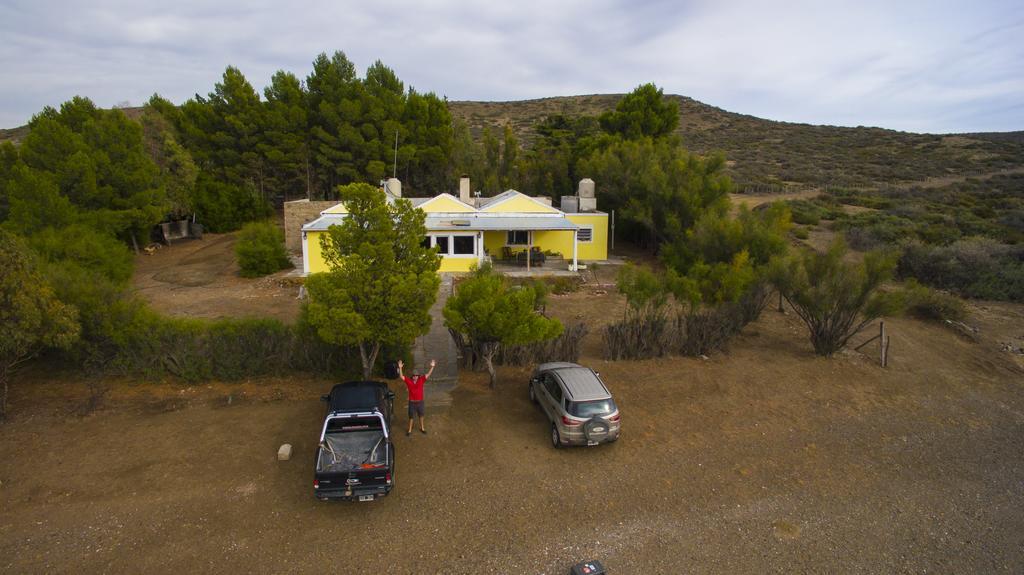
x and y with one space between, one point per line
305 255
574 264
480 249
529 248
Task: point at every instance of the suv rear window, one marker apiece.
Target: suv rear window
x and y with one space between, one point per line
591 408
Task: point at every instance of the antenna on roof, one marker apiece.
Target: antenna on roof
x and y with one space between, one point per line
394 174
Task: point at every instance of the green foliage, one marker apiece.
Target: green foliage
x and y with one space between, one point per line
926 303
650 329
177 170
33 201
382 280
98 162
82 246
489 312
646 292
722 257
260 250
659 188
31 318
643 113
973 267
992 208
801 233
835 298
353 124
225 207
285 141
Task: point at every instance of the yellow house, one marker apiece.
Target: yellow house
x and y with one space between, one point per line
506 227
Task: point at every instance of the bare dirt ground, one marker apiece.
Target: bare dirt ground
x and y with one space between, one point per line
761 459
199 278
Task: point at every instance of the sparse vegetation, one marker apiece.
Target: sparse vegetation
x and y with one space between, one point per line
973 267
926 303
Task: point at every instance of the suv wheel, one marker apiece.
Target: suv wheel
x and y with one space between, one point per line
556 439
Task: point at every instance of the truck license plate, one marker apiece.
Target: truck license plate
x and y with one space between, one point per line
366 497
591 443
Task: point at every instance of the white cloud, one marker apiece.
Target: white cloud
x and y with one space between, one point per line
935 66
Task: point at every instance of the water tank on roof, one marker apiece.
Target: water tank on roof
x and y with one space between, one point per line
570 204
586 188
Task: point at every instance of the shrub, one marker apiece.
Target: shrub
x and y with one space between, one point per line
835 299
561 285
260 250
801 233
973 267
926 303
224 207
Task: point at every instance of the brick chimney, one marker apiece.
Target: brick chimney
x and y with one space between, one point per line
464 193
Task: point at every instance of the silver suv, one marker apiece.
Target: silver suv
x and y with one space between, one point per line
576 401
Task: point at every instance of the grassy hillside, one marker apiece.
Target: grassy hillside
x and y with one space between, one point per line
765 154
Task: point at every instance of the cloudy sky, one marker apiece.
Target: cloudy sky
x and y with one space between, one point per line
927 66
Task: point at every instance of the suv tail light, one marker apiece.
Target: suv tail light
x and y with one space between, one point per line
570 422
614 417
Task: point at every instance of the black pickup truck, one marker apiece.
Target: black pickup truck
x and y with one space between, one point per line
355 459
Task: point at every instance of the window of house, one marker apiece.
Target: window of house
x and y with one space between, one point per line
426 242
464 245
518 237
442 244
585 235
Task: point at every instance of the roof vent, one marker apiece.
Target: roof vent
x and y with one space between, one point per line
460 222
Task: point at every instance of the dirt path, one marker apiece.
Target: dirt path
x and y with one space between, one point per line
764 459
199 278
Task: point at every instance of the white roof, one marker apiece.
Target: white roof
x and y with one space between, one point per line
478 223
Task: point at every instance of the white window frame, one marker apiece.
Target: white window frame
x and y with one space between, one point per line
578 235
451 244
512 245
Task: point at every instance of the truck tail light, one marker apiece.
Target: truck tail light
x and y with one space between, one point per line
387 477
570 422
316 484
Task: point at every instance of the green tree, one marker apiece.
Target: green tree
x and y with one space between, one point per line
31 317
428 128
835 298
162 142
643 113
492 159
490 312
658 188
334 102
98 162
260 250
285 142
382 280
722 256
509 172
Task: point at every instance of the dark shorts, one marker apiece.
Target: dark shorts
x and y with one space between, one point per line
415 407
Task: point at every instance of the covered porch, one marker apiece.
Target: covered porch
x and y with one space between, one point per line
511 244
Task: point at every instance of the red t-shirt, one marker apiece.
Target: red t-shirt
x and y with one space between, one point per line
415 387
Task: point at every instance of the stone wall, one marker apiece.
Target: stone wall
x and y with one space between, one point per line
296 214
